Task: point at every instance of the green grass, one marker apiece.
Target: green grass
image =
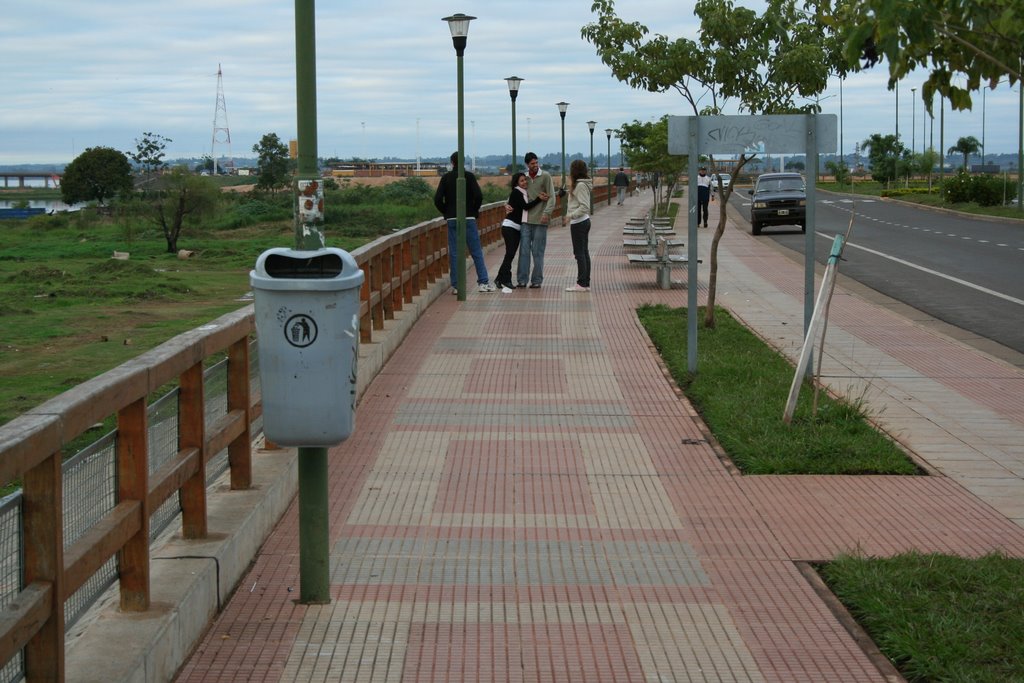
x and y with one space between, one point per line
924 197
741 388
937 617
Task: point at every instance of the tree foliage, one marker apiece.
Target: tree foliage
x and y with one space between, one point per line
967 146
149 152
763 61
884 152
186 197
964 43
97 174
272 165
645 144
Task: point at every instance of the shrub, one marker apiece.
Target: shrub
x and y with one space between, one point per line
983 190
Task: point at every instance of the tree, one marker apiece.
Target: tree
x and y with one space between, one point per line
646 145
272 165
205 164
149 152
884 151
966 146
764 61
186 197
97 174
964 42
839 170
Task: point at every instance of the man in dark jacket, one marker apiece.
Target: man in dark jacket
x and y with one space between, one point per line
445 201
621 185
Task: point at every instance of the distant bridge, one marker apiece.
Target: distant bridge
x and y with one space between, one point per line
47 178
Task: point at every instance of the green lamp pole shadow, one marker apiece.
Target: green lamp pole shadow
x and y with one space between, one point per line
513 92
590 125
458 24
314 531
562 106
608 132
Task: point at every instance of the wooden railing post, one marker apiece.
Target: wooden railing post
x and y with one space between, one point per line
192 434
365 331
133 484
43 509
240 450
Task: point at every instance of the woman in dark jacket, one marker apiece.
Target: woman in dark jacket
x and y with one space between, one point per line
519 205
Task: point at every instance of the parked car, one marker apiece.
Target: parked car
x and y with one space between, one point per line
726 179
778 199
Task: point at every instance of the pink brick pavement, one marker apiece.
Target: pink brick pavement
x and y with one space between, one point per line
527 497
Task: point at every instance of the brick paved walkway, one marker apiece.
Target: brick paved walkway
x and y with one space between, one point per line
527 498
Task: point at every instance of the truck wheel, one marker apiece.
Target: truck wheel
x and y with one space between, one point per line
755 228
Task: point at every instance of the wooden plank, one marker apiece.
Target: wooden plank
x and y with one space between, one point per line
226 430
22 618
133 485
240 448
192 434
26 441
43 512
172 475
105 537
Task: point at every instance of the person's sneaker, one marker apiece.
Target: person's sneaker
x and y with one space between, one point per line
521 285
455 291
534 286
505 289
485 287
577 288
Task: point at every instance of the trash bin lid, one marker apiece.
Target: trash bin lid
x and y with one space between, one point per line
328 269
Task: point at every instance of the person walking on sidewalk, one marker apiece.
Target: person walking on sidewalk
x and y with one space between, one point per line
445 201
518 208
580 187
534 232
703 195
621 185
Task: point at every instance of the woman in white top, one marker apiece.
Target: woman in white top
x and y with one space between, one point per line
518 207
579 223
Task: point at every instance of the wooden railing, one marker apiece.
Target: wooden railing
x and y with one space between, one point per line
396 267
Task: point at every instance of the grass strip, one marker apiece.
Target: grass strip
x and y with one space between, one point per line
938 617
741 389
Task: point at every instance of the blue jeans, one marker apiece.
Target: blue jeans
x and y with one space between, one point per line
472 245
533 242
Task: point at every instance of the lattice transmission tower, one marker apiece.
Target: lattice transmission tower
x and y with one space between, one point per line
221 131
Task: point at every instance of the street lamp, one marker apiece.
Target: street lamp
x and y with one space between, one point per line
513 92
897 90
562 106
913 121
458 24
590 125
608 132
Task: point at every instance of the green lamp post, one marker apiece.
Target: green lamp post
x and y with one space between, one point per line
458 24
513 92
590 125
608 132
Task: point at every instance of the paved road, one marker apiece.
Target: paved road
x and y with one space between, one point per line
961 270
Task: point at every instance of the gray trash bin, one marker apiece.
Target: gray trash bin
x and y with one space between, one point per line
307 324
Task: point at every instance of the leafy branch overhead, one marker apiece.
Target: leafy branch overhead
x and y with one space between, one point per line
764 61
965 44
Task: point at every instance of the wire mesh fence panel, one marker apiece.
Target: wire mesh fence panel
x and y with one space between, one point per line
89 480
11 577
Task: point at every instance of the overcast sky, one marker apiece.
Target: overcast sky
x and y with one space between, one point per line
83 74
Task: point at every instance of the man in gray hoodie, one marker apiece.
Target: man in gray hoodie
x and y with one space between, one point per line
534 231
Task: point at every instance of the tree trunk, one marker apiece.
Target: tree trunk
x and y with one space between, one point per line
709 310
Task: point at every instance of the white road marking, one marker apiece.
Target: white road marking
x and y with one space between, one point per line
971 285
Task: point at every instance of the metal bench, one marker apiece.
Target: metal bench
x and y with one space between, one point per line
663 260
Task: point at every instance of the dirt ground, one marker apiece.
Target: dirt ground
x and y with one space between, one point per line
499 180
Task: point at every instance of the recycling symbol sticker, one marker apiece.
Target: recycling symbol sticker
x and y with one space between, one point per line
300 331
